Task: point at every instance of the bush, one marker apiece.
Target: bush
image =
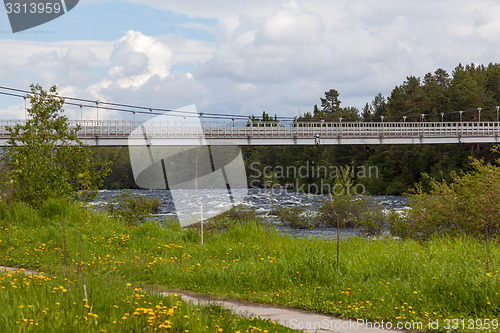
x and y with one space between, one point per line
362 212
236 215
470 205
297 217
133 209
45 157
373 221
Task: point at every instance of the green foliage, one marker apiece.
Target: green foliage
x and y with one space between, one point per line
50 303
271 179
470 205
5 182
297 217
46 157
361 212
377 280
120 175
239 214
133 209
49 212
401 166
330 109
4 211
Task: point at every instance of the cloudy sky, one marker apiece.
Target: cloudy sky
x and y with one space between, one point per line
243 57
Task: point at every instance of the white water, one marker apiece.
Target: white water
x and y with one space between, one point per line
261 201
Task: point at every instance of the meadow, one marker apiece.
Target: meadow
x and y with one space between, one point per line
384 279
45 303
65 300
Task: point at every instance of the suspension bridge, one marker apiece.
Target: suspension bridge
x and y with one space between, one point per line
243 133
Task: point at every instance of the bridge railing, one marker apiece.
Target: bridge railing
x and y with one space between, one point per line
386 129
232 129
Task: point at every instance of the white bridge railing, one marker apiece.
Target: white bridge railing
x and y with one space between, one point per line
120 129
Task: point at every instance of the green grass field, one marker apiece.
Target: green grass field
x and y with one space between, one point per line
383 279
43 303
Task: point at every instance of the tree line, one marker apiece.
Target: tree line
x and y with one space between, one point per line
439 96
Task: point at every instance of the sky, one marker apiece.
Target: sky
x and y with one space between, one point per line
243 57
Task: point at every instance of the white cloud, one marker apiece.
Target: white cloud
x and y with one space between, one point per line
15 111
136 69
136 58
279 56
293 24
246 86
141 71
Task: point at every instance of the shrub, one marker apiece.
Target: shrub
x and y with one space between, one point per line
297 217
236 215
133 209
362 212
45 156
470 205
373 220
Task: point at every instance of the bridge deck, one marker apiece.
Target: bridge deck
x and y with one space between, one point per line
123 133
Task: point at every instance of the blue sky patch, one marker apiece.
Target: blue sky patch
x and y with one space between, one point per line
109 21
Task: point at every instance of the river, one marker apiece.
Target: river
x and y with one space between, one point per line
262 201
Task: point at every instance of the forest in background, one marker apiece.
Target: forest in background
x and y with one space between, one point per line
398 167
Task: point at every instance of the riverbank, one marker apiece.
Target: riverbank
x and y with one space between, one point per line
377 280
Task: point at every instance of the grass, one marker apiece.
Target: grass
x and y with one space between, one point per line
42 303
378 280
47 303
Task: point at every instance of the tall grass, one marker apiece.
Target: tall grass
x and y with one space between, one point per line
41 303
383 279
